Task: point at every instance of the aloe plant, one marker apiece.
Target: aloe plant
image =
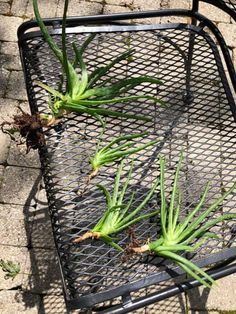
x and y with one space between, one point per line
189 234
117 148
118 215
83 92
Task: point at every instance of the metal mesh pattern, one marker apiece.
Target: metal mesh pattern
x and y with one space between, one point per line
196 120
231 4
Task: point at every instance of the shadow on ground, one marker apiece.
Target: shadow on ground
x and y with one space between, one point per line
44 278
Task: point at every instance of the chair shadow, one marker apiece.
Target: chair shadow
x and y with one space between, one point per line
44 278
197 300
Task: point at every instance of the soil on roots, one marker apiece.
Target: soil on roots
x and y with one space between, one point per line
30 129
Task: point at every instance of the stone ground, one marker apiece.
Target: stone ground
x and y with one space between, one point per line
25 234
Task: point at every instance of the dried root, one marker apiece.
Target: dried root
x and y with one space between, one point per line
88 235
141 249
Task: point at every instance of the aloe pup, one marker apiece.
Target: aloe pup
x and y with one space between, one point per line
187 235
117 148
118 215
84 93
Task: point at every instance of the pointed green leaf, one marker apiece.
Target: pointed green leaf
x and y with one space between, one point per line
163 198
84 74
135 220
173 196
190 216
51 90
117 183
57 51
106 193
195 224
98 73
209 225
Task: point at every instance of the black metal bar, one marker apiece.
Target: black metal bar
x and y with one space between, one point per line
223 6
195 5
101 18
121 16
88 300
167 293
222 44
188 97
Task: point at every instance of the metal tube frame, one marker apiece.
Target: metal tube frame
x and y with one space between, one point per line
130 305
75 21
217 3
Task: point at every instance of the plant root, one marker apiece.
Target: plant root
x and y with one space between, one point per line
29 127
92 175
87 182
141 249
88 235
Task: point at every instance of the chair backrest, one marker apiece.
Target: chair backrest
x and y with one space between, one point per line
229 6
230 3
223 35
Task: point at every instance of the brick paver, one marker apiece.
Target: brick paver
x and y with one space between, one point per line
25 234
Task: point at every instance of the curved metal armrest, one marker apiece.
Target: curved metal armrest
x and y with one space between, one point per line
226 5
230 8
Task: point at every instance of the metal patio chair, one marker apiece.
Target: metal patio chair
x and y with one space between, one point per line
198 85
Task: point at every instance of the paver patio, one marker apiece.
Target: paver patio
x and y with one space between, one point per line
25 234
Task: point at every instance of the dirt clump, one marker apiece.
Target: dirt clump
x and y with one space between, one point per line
30 128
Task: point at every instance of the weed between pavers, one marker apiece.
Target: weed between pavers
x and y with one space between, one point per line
11 269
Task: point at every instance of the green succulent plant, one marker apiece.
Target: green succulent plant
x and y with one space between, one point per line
117 148
84 93
118 215
187 235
